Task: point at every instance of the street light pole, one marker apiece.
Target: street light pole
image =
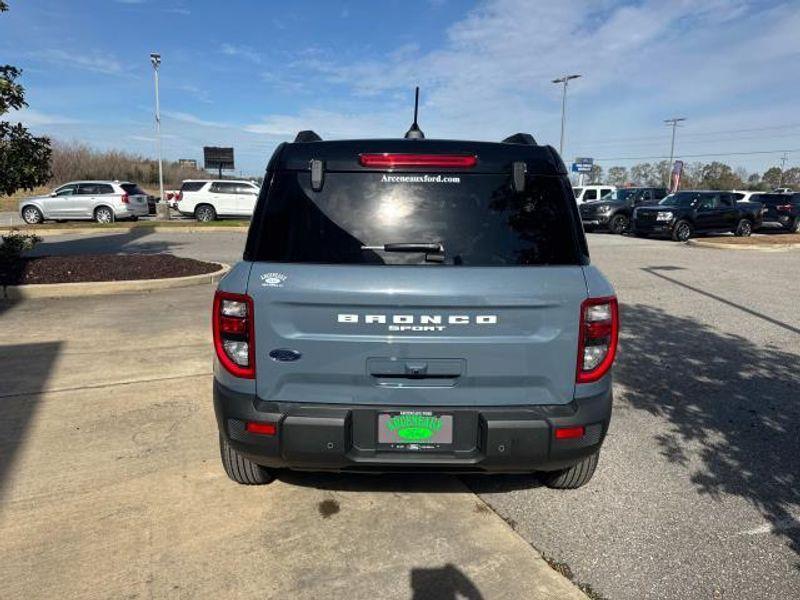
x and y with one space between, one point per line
162 210
563 80
674 122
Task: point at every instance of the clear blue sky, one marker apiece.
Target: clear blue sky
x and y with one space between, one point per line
251 73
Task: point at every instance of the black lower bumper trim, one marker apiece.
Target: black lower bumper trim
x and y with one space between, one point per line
344 437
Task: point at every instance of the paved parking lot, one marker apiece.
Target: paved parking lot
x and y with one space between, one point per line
696 495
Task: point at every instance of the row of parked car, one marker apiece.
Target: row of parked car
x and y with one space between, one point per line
108 201
650 211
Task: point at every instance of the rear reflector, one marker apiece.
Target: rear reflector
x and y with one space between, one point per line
570 433
391 161
125 199
261 428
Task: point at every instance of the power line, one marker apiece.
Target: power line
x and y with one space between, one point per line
700 155
692 134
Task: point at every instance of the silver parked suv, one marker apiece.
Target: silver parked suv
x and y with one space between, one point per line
101 201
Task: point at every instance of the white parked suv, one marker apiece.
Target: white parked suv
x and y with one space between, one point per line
207 200
101 201
587 193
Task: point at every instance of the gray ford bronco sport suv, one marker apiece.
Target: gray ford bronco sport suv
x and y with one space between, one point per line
414 305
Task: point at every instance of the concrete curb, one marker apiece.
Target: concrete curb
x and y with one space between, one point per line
756 247
121 230
100 288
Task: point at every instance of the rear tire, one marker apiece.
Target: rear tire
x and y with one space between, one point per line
574 477
619 224
104 215
744 228
205 213
793 226
682 231
240 469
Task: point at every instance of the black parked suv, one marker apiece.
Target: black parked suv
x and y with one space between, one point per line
783 209
615 210
413 304
683 214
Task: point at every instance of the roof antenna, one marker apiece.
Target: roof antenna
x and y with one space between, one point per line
415 133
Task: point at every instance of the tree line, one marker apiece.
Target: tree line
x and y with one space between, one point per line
697 175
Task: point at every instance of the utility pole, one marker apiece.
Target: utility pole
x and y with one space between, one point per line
674 122
784 160
563 80
162 210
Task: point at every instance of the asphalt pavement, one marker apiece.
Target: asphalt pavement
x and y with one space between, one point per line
696 494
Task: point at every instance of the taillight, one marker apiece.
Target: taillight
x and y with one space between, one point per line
125 199
179 196
784 207
392 161
234 334
597 343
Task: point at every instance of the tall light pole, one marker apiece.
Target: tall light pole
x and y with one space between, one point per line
674 122
162 210
563 80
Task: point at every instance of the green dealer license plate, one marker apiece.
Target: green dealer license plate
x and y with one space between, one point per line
415 430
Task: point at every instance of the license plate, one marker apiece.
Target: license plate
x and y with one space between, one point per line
415 430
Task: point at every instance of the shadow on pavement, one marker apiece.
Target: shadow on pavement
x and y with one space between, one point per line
18 407
366 482
445 583
729 404
112 243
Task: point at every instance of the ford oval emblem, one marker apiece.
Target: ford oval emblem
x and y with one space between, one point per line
285 355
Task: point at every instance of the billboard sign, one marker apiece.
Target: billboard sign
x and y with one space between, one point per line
582 165
187 162
215 157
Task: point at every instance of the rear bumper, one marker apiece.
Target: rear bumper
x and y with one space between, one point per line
325 437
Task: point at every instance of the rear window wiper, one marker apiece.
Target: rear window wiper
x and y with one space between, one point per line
434 252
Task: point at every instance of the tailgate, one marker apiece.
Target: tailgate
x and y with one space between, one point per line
416 335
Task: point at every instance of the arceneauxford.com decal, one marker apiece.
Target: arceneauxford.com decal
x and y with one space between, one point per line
416 322
420 179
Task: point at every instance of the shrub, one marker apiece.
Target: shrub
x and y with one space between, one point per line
15 243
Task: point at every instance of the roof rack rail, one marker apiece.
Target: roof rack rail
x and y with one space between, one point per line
520 138
307 136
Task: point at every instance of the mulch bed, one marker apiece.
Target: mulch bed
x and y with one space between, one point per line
767 240
100 267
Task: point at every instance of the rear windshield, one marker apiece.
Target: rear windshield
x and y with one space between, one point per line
478 220
133 189
192 186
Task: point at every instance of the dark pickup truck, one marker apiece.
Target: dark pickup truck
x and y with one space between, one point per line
614 211
683 214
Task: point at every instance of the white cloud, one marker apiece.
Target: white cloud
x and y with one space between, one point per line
35 118
492 74
93 61
244 52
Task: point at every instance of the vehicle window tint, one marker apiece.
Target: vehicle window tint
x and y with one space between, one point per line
67 190
478 219
724 200
87 189
224 187
133 189
103 188
590 195
605 191
738 196
192 186
707 201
